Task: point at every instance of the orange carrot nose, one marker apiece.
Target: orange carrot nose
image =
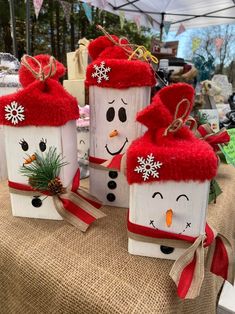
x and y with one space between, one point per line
113 133
169 215
30 159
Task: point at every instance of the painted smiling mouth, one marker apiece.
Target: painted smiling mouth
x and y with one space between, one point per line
117 152
188 225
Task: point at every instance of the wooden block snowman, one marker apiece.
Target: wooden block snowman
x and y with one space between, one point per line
83 140
38 120
119 86
169 172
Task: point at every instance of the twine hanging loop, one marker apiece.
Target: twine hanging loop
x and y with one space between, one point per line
42 73
180 121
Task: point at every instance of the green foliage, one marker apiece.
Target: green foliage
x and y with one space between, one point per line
51 34
44 169
205 66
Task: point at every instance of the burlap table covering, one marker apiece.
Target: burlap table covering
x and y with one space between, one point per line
50 267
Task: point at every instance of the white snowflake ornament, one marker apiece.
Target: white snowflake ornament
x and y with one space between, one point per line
14 112
148 167
101 72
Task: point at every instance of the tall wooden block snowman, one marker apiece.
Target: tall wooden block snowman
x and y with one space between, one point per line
118 88
169 172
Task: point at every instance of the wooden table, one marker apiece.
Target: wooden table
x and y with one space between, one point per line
50 267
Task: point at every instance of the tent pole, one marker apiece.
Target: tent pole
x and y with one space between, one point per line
13 27
162 25
28 48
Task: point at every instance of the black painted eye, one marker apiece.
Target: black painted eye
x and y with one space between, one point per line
24 145
110 114
122 114
42 145
182 195
157 193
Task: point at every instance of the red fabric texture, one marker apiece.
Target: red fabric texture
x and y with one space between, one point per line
26 77
45 104
96 160
68 205
156 233
186 278
220 261
214 139
123 73
77 211
183 156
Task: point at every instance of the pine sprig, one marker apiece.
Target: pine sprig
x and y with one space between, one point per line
42 171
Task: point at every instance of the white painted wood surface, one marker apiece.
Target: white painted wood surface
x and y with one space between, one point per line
77 89
64 138
3 162
227 299
149 211
103 146
5 91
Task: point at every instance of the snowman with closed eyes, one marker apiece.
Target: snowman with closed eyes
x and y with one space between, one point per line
119 86
169 172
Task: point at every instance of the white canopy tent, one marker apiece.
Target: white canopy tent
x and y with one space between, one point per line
154 13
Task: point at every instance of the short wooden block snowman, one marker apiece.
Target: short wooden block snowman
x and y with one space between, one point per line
119 86
169 172
40 120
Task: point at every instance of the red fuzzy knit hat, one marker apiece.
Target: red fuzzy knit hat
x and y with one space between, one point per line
44 102
39 64
169 150
112 68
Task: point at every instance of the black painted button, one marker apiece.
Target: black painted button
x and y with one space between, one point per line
113 174
112 185
166 249
36 202
111 197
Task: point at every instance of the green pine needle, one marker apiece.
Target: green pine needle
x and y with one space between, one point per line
45 168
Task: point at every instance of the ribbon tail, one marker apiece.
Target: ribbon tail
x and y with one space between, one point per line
188 270
76 210
89 198
115 163
220 259
68 214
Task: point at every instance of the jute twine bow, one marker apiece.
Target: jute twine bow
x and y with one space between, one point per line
43 72
178 122
134 51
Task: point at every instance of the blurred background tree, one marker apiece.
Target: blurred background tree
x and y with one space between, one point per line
51 34
208 59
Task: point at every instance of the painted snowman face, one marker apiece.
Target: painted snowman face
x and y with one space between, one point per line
83 143
113 113
23 142
176 207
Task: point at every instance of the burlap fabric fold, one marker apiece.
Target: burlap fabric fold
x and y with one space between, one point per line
50 267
